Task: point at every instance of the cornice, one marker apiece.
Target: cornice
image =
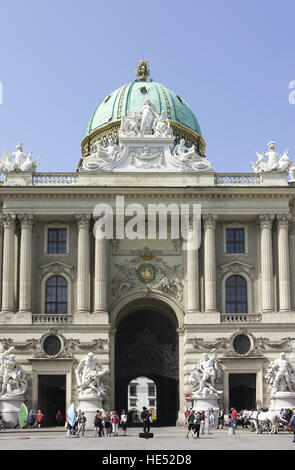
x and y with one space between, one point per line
143 193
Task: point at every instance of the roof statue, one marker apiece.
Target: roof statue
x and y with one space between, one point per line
18 161
274 162
143 71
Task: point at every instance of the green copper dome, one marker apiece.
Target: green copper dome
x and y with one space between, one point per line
106 119
132 96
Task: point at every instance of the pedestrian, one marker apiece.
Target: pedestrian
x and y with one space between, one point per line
145 417
197 426
123 421
71 430
96 424
191 424
99 424
292 424
234 416
202 421
81 423
31 419
107 423
211 419
186 413
39 418
59 418
221 418
115 423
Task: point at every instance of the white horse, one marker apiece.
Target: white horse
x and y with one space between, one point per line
262 419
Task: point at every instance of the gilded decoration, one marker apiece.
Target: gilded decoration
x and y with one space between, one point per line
147 272
143 72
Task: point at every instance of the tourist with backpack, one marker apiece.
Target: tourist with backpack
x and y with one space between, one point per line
115 423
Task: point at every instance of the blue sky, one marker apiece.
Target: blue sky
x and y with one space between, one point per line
232 61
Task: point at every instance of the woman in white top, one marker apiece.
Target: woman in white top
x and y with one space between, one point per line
123 421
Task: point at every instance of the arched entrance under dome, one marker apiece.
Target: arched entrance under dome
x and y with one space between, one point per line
146 344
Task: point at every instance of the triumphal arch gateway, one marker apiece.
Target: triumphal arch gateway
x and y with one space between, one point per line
147 299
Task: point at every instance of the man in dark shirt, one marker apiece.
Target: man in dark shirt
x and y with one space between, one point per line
145 417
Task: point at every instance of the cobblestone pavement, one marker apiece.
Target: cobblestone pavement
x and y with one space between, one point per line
169 438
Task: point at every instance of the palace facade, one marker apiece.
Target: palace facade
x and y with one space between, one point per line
145 306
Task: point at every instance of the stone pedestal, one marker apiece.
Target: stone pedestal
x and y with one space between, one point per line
9 407
281 400
205 402
89 405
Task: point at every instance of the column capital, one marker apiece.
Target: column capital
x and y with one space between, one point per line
83 220
8 220
209 220
283 220
26 220
266 220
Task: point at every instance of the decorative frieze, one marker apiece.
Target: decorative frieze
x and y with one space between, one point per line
67 347
256 347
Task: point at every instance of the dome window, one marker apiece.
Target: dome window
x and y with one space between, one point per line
107 98
180 99
143 90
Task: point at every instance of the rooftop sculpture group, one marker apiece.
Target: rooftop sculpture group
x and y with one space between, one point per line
145 122
18 161
145 141
274 162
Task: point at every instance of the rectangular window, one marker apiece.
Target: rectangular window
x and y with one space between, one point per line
57 240
132 402
235 240
152 390
132 390
152 402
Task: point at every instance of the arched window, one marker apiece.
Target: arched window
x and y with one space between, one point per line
56 295
236 295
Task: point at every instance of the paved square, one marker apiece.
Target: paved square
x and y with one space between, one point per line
170 438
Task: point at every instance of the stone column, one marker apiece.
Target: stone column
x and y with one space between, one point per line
25 272
1 257
8 263
101 275
83 268
267 283
210 262
192 279
112 341
284 263
181 354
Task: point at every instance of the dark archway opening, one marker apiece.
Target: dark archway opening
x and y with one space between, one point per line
51 397
146 344
242 391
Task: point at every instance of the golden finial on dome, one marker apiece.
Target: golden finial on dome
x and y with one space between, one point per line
143 71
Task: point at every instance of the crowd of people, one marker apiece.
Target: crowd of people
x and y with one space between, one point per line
106 424
216 419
